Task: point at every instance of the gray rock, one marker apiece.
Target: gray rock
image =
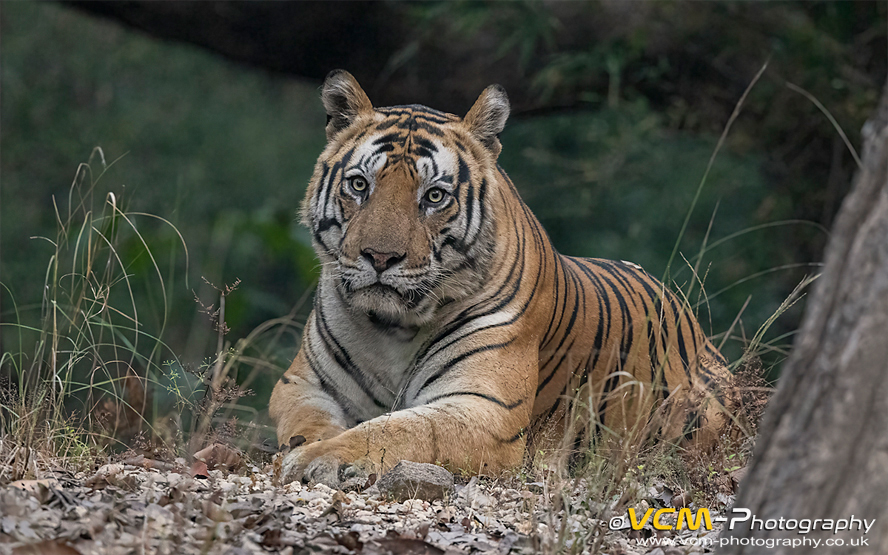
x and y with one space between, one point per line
410 480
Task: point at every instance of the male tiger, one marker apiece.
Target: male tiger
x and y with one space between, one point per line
445 324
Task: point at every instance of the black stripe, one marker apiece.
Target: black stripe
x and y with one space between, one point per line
609 386
628 322
453 362
559 275
327 384
658 374
566 334
512 439
463 170
429 128
490 398
554 371
679 316
425 143
604 315
382 126
472 313
462 322
343 358
416 111
482 193
338 166
470 210
389 138
323 226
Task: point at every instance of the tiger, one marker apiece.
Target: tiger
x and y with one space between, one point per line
446 328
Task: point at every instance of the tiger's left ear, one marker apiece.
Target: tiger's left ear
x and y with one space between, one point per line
487 118
344 100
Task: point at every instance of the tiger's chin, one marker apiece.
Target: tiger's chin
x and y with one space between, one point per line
387 308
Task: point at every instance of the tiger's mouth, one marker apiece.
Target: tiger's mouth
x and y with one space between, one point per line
397 305
408 297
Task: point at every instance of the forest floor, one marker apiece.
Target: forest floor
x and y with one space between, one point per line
123 509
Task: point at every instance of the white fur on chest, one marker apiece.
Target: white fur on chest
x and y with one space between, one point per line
378 361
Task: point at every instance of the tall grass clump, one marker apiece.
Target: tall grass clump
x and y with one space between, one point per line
89 370
95 336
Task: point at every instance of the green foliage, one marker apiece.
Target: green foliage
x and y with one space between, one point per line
219 151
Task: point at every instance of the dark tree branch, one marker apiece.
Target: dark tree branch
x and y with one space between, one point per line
373 40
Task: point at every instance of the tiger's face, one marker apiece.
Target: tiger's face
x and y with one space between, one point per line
401 202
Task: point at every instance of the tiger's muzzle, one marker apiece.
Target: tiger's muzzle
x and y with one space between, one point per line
382 284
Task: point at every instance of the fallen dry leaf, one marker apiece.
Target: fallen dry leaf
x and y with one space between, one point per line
199 470
401 546
680 500
218 456
251 516
350 540
35 485
152 464
110 475
49 547
272 538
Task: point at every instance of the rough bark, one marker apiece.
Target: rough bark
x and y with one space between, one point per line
823 447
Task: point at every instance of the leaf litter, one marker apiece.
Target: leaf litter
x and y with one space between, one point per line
168 508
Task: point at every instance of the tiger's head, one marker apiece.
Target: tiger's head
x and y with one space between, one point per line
402 199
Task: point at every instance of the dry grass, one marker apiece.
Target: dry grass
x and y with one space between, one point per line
87 373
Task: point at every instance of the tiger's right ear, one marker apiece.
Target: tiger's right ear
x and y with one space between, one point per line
344 100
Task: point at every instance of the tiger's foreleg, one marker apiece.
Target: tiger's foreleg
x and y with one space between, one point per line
463 425
304 413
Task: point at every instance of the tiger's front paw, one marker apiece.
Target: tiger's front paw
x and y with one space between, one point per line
295 463
322 470
318 464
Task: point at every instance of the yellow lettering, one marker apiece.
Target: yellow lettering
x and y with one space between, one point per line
694 524
636 525
657 525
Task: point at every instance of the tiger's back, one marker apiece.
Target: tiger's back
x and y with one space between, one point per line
445 324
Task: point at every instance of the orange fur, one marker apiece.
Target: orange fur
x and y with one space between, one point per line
446 327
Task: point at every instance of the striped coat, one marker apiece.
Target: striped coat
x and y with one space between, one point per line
447 329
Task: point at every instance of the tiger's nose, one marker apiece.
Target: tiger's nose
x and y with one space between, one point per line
382 261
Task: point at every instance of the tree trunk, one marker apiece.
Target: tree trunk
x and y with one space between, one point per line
823 447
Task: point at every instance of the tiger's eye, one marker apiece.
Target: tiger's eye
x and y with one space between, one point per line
358 184
435 195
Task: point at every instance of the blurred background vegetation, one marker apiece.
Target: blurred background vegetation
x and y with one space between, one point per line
208 117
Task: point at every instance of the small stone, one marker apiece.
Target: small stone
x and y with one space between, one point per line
536 487
410 480
680 500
